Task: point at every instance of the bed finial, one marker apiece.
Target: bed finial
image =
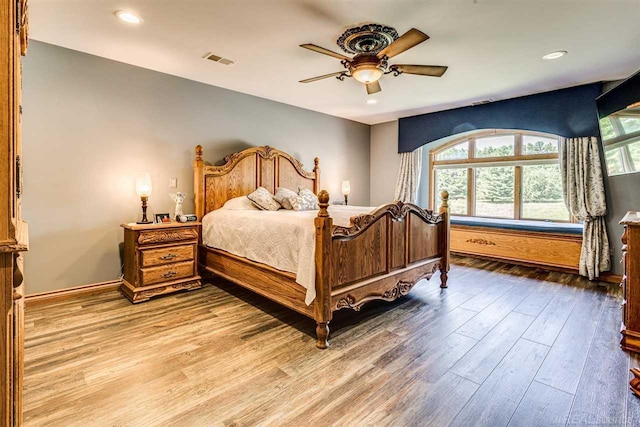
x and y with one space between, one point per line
198 152
444 207
316 163
323 198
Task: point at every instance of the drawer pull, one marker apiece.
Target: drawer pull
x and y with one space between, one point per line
169 274
169 256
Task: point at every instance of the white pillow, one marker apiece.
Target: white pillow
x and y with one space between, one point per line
282 196
304 201
240 204
263 199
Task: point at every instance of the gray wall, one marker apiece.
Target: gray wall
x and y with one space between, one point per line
623 191
90 124
385 157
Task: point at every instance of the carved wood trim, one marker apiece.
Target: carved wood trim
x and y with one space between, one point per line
266 152
398 211
481 241
401 288
156 236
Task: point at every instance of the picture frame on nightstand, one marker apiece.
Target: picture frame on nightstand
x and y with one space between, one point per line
163 218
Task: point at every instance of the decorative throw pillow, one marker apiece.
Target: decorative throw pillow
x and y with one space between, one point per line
304 201
241 203
282 196
263 199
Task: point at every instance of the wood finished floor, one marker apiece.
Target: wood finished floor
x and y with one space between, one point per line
502 346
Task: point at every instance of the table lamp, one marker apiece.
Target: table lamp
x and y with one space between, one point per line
143 190
346 189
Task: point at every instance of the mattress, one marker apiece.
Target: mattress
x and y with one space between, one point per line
282 239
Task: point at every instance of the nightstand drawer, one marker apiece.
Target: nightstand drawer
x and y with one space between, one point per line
151 257
167 273
167 235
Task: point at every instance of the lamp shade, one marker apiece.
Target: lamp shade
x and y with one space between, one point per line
143 185
346 188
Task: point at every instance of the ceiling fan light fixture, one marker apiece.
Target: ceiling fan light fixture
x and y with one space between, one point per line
367 74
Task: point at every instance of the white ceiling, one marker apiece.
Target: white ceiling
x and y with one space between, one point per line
493 48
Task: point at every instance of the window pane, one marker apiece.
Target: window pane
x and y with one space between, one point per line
607 131
495 146
494 191
634 155
458 151
542 193
538 145
630 124
455 182
613 157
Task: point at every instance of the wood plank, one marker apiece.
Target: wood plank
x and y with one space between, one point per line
600 398
487 354
542 406
538 299
565 362
486 298
498 397
549 323
481 324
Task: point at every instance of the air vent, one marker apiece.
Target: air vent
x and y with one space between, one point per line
486 101
215 58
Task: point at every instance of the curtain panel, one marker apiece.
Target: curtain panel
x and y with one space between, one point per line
409 176
583 189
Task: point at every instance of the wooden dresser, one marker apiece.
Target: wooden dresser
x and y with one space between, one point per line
159 259
630 329
13 231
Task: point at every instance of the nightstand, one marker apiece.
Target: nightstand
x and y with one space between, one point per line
159 259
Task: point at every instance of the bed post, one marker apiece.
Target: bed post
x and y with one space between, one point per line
198 183
444 211
323 310
316 170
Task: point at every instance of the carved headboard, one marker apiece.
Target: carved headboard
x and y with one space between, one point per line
245 171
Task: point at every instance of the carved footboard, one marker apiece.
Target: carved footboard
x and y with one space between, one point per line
381 255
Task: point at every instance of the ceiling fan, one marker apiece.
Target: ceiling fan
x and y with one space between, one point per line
372 46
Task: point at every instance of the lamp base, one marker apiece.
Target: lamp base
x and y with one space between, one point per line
144 220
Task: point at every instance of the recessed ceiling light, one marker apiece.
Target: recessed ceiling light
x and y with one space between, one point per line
128 17
555 55
372 101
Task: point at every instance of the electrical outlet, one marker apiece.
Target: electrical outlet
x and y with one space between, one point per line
173 182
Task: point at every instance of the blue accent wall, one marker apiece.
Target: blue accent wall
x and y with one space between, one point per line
569 112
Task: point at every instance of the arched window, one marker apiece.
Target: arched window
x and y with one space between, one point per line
500 174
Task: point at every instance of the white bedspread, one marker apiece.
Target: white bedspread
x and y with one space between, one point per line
282 239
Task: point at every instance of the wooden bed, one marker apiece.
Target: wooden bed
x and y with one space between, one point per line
380 256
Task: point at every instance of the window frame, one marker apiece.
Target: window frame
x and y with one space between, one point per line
471 163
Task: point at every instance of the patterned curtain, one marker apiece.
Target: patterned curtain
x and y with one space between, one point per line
409 176
583 189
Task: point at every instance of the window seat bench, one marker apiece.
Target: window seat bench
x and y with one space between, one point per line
536 243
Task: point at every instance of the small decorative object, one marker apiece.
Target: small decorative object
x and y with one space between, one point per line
346 189
162 218
143 190
178 198
187 218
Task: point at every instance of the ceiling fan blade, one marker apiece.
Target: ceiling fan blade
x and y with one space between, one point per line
326 76
421 70
406 41
319 49
373 87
